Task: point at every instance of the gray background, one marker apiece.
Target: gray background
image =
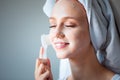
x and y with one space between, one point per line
21 24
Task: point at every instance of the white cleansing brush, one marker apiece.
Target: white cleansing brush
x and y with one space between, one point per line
45 42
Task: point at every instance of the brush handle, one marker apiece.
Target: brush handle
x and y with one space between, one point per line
43 52
44 56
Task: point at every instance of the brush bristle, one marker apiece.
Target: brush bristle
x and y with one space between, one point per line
45 40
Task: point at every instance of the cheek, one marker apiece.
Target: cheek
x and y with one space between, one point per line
79 40
75 44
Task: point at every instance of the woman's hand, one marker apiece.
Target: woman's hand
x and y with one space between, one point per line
43 69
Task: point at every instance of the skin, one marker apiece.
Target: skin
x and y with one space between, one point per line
69 28
43 68
69 36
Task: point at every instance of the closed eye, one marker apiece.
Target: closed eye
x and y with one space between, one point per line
69 25
52 26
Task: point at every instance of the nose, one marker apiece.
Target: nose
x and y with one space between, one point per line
60 34
57 32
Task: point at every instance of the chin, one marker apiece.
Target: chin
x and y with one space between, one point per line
61 55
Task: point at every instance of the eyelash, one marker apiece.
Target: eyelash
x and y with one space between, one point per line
53 26
70 26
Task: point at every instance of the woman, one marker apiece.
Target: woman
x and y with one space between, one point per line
78 33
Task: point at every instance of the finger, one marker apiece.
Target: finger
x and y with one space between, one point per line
36 68
37 64
41 69
40 61
46 75
43 61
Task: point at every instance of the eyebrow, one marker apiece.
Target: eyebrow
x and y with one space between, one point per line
66 18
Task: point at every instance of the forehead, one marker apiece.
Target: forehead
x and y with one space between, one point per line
71 8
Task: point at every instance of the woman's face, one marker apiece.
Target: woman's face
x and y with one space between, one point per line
69 33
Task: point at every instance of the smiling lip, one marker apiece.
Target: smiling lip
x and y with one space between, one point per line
60 45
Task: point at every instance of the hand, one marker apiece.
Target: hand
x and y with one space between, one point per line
43 69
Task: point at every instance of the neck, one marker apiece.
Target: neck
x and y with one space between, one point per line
88 68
